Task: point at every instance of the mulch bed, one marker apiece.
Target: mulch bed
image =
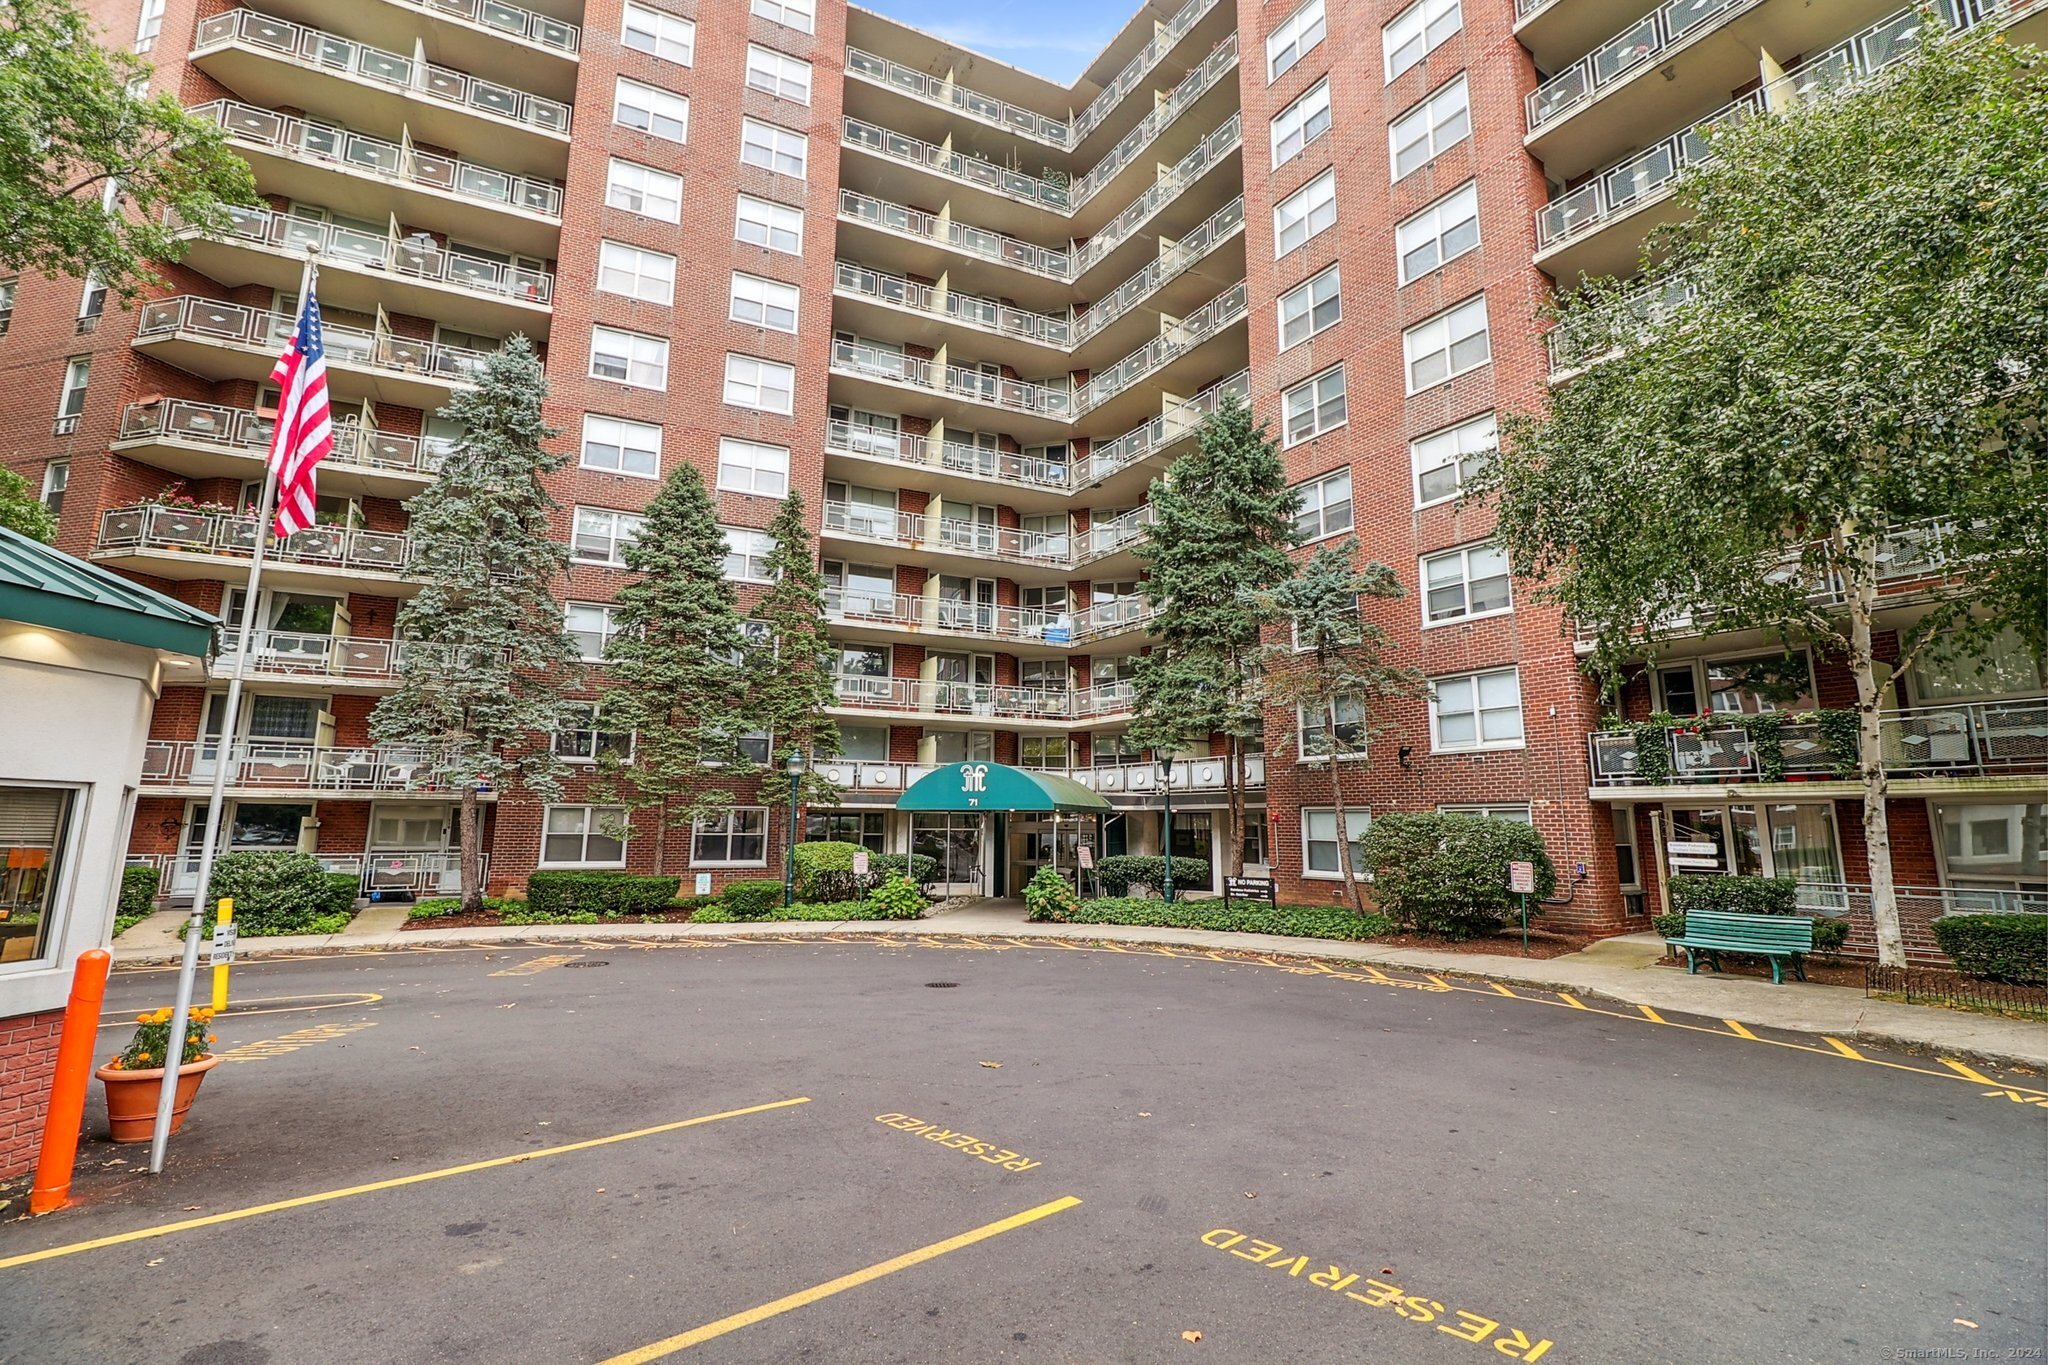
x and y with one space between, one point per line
1543 943
1819 971
490 918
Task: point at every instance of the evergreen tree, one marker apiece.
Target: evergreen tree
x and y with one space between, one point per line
491 664
1224 521
1337 669
789 673
674 664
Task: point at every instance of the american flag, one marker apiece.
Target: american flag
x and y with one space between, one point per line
305 423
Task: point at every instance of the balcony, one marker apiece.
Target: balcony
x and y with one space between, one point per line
362 271
971 172
1209 75
207 441
889 615
857 282
276 62
958 460
372 177
266 766
1132 76
958 537
516 44
1211 152
1126 784
1587 338
326 661
947 236
218 340
944 94
1966 739
1026 705
1154 437
886 373
174 542
1175 259
1176 340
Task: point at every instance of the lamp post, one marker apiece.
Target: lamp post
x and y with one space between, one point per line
794 766
1166 829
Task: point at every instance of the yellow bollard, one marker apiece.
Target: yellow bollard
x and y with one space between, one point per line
220 970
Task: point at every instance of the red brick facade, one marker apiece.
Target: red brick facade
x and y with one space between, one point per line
28 1059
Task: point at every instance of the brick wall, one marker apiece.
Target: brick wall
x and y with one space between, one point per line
28 1060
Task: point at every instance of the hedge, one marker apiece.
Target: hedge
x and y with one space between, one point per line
558 895
138 897
1120 872
1448 874
831 910
1999 947
436 907
1296 921
1736 895
755 899
282 893
1828 934
921 868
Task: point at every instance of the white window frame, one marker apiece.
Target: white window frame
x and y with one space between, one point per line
1425 126
639 351
778 74
1462 555
774 220
1304 299
1480 742
614 527
1299 34
1297 123
1329 722
1463 442
607 630
659 106
1313 208
744 387
757 467
800 15
593 820
670 37
150 26
589 737
653 188
768 138
751 546
1428 228
71 396
634 272
1440 336
67 927
1317 400
623 428
1517 811
726 819
8 286
757 301
56 479
1320 489
1356 823
1422 20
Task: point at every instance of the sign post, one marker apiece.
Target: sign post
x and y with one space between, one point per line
1522 881
223 955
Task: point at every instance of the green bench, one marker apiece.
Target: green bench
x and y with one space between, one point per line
1709 933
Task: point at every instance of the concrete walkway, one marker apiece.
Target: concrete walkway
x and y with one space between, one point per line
1620 969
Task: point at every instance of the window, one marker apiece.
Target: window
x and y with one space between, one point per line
602 535
1314 406
1297 36
863 827
150 25
592 626
1045 751
621 447
1338 728
643 190
1325 506
1517 812
1476 711
1418 31
778 73
636 273
1447 345
1319 841
71 401
667 36
659 112
772 148
752 467
796 14
2004 665
1440 121
762 384
36 835
1301 122
628 358
735 837
56 478
574 836
1308 308
1304 213
1447 460
7 288
864 743
746 554
1625 849
763 303
778 227
92 302
1442 232
1994 847
1462 584
581 741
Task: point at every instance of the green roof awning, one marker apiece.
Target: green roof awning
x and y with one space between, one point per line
997 786
46 587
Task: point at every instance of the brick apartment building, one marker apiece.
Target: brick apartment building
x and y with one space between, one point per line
969 314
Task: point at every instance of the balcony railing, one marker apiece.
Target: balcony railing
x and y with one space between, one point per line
239 429
1633 49
1183 419
978 699
258 328
328 144
543 29
1133 75
1173 259
1967 739
968 170
154 527
1219 63
1132 779
1041 549
957 381
944 93
311 767
1191 331
972 310
1205 154
397 870
315 47
310 654
914 612
853 438
1054 263
1585 338
419 258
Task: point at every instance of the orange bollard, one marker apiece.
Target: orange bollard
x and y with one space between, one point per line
67 1089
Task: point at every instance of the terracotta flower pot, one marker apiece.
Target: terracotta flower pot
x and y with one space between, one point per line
132 1097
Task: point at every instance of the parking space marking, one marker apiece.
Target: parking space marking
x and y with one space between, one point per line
278 1004
959 1142
1652 1015
1571 1000
292 1042
1499 989
776 1307
1741 1032
1838 1045
537 964
327 1196
1966 1072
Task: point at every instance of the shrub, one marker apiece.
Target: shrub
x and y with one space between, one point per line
921 868
1736 895
2001 947
1047 896
138 897
896 898
1122 872
1448 874
824 871
748 900
834 910
281 893
559 895
1244 917
436 907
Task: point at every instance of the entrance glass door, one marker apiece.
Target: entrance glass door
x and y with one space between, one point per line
955 840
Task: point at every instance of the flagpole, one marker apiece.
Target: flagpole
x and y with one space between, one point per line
244 639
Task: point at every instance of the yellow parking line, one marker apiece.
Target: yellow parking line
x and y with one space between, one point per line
1740 1032
1838 1045
1652 1015
1503 990
698 1335
236 1215
1966 1072
1571 1000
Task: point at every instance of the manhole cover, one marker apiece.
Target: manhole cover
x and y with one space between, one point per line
601 962
942 985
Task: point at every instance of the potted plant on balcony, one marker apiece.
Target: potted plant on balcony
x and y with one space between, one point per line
134 1079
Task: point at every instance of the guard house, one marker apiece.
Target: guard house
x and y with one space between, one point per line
992 826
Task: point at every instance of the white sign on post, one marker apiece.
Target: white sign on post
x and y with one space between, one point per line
860 863
1522 877
1705 864
224 936
1698 847
1087 858
703 883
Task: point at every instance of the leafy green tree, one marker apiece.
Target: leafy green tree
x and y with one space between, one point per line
1224 522
493 662
1338 668
1858 378
789 672
69 128
21 510
674 665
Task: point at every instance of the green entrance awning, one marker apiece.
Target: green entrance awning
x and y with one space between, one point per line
997 786
45 587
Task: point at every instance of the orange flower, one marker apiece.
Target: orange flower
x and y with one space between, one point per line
141 1018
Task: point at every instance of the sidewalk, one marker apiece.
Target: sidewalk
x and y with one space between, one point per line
1618 969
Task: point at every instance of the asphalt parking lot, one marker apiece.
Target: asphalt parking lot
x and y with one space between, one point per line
826 1151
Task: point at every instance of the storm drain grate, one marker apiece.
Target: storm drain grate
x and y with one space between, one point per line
601 962
942 985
